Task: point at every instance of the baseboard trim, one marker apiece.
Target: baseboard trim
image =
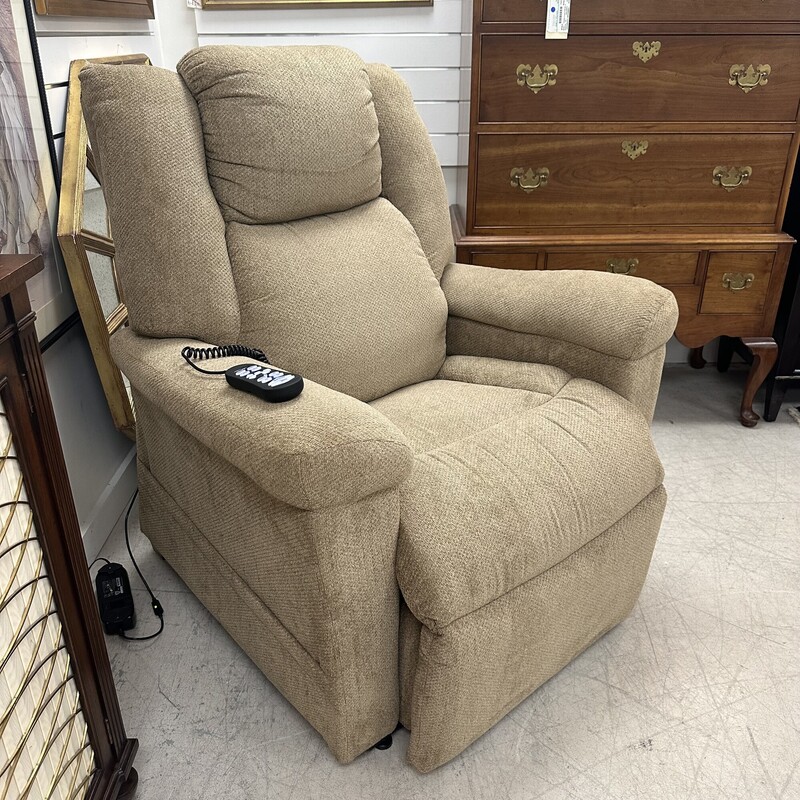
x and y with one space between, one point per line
110 506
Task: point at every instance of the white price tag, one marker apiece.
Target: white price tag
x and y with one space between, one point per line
557 26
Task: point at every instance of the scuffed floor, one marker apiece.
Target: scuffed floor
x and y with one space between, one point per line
695 695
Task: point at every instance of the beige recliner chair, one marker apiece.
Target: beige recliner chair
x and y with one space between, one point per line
465 495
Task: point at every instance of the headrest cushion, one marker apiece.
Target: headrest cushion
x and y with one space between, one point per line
290 132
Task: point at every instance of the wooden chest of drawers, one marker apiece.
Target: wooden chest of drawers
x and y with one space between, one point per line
658 140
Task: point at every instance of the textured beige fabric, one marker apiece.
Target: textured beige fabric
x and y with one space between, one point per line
514 502
408 653
442 412
481 515
169 234
290 132
541 378
345 682
346 299
617 315
479 668
412 178
636 380
321 449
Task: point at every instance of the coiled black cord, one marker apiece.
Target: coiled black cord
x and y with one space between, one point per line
192 354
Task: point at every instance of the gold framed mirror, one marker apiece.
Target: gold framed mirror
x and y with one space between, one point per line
86 241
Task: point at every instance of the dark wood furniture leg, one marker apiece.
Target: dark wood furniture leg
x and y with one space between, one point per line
727 347
696 360
128 789
765 352
773 399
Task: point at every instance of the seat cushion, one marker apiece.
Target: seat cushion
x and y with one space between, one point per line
459 404
508 482
290 132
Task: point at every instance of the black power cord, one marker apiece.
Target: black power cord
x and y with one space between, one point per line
114 595
158 609
192 354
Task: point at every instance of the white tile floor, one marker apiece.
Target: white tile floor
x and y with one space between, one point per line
695 695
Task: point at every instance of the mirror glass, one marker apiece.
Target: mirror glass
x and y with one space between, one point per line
95 216
102 267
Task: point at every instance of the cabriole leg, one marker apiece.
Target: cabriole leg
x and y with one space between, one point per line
765 353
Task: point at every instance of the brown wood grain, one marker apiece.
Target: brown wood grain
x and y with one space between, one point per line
717 299
131 9
592 182
662 208
505 260
668 269
599 78
646 11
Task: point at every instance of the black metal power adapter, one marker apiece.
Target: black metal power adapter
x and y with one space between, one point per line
114 595
115 599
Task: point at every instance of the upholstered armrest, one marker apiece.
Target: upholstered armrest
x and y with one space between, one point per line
609 328
612 314
321 449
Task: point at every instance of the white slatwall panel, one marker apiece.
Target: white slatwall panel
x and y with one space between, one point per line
428 83
394 49
444 16
64 39
57 51
429 46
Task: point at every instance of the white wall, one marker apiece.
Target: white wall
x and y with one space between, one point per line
100 461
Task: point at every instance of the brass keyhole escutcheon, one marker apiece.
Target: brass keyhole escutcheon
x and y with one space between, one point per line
622 266
737 281
536 78
646 50
730 178
747 78
635 149
529 179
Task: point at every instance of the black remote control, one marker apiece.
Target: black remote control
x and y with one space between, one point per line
267 382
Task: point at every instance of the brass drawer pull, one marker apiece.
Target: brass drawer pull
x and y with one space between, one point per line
635 149
646 50
622 266
747 78
536 78
737 281
529 179
730 178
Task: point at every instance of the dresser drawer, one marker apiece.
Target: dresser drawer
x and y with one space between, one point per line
603 78
668 269
737 283
529 181
504 260
647 11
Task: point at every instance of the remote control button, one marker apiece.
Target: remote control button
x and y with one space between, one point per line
241 373
251 376
263 379
254 368
280 381
278 374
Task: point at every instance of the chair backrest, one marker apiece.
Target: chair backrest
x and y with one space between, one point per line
286 198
